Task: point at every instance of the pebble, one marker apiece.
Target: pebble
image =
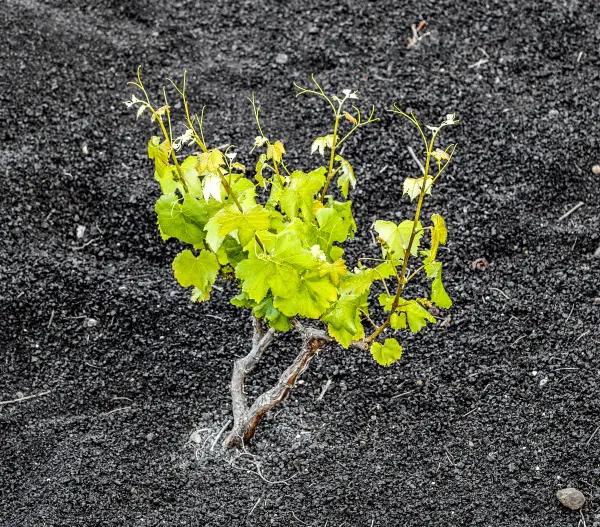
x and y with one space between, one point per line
90 322
571 498
196 437
597 253
596 170
281 58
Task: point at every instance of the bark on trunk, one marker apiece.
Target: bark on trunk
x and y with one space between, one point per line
246 419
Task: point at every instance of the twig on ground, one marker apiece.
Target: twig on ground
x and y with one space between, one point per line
24 398
582 335
571 211
105 414
324 390
587 443
51 319
518 340
478 64
255 505
417 36
86 244
470 411
402 394
501 292
298 519
570 313
216 317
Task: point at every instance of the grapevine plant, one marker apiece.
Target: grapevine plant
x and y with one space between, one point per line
278 232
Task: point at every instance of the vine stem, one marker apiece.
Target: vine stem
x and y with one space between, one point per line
330 172
402 280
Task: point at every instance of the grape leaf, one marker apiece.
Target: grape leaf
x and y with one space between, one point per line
417 316
164 173
184 219
413 186
275 318
439 235
260 166
320 143
336 224
346 178
396 238
277 269
212 187
313 297
300 191
197 271
387 353
360 280
275 151
210 162
230 220
343 319
190 174
438 294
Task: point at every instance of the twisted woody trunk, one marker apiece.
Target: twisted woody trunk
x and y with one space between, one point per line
246 417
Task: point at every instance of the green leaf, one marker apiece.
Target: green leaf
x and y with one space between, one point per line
387 353
343 319
320 143
417 316
212 187
278 268
386 301
210 162
275 151
184 219
243 225
360 280
189 171
164 173
336 224
398 321
312 298
199 272
396 238
413 186
439 235
260 166
276 191
275 318
300 191
438 294
346 177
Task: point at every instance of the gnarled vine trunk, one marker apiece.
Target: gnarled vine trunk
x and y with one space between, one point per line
246 418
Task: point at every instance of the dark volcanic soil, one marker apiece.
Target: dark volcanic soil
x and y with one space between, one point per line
480 423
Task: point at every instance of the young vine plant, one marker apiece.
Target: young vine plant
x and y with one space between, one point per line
279 233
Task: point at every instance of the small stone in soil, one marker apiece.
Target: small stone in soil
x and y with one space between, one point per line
571 498
596 170
281 58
